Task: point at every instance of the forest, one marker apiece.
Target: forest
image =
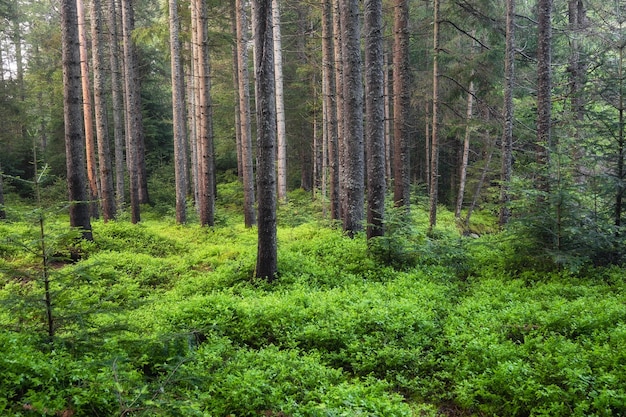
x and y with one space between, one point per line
327 208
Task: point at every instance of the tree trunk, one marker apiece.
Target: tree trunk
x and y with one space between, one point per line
244 114
118 103
132 102
375 118
353 117
401 105
330 108
466 149
339 80
90 140
3 213
434 144
507 132
100 104
267 265
281 135
205 134
179 116
544 96
72 111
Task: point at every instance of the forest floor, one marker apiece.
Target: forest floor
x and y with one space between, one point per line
162 319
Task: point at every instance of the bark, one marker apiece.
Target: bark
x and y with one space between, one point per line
90 140
375 118
100 104
72 111
281 135
244 114
388 118
205 133
233 28
465 152
266 266
3 213
401 105
544 95
339 81
179 116
117 100
507 132
434 144
134 123
330 108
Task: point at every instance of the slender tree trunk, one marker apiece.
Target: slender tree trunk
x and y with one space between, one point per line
544 95
621 143
267 265
434 144
479 186
466 149
339 81
118 103
507 132
90 140
205 135
281 135
401 105
100 103
179 116
388 118
132 102
3 213
74 134
330 100
244 114
353 116
233 28
375 117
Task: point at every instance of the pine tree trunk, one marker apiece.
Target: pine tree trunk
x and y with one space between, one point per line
434 144
90 140
132 104
330 108
244 114
72 111
375 118
117 100
507 132
465 152
353 117
179 116
107 192
339 98
3 213
401 105
266 266
281 135
544 95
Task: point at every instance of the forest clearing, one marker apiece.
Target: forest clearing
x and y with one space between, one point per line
162 319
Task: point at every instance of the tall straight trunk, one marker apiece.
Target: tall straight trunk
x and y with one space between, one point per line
466 149
194 110
107 192
179 116
353 116
401 105
434 144
621 146
544 95
267 263
117 100
244 114
388 121
235 55
90 140
281 135
205 134
330 108
73 118
507 132
375 118
339 81
132 102
3 213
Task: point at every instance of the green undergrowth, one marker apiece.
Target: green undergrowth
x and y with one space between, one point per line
161 319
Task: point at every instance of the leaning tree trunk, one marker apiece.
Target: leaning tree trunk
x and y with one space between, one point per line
375 118
72 112
244 114
266 265
100 104
179 116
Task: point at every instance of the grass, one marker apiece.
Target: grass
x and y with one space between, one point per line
162 319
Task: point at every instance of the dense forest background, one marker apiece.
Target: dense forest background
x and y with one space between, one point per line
523 119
